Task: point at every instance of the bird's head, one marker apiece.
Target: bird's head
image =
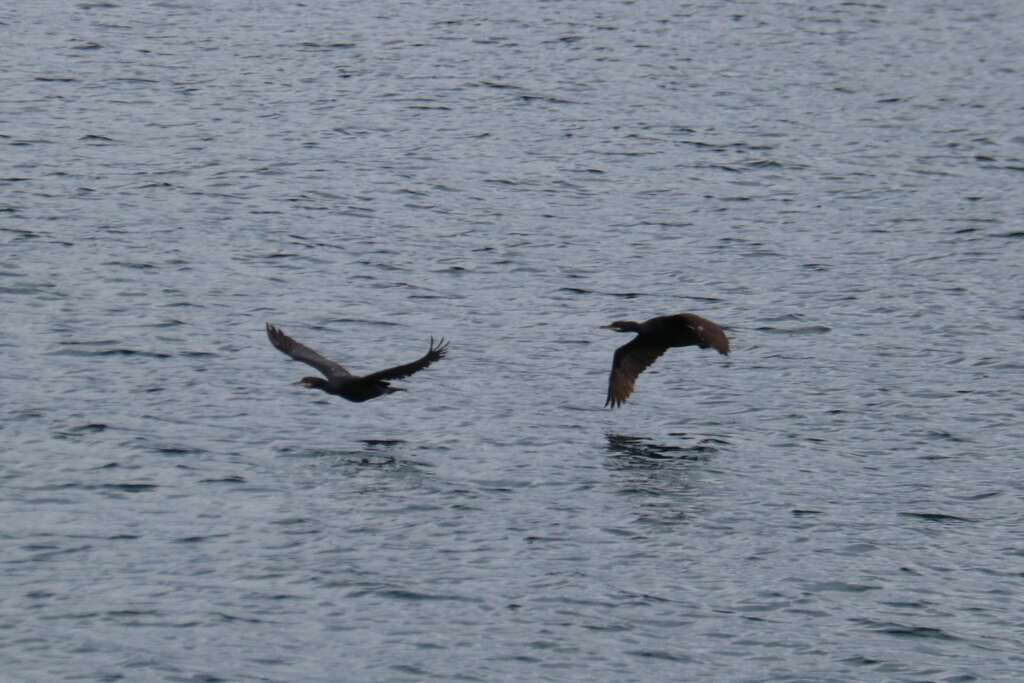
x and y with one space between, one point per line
623 326
313 383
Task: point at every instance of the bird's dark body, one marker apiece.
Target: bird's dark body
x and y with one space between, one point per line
673 331
341 382
356 389
653 338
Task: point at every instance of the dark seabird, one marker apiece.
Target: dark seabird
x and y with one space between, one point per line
654 337
340 381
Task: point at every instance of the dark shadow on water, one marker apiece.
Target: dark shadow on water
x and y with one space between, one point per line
382 453
642 450
661 478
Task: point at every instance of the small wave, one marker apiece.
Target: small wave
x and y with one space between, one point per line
796 331
129 264
935 517
903 631
980 496
199 538
128 487
110 352
176 450
327 46
661 654
414 596
230 479
360 321
91 427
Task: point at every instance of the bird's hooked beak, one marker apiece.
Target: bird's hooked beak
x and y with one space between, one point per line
622 326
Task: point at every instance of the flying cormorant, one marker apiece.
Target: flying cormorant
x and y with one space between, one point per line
654 337
340 381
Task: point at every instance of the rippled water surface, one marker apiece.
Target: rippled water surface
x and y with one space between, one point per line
838 184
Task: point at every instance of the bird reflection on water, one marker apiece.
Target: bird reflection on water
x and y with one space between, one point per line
640 449
662 481
377 453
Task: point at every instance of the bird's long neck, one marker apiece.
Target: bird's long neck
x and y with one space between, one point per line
629 326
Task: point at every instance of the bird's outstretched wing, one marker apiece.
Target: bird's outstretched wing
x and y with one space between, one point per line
434 354
630 360
708 334
300 352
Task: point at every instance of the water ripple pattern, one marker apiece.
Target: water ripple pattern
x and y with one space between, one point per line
838 184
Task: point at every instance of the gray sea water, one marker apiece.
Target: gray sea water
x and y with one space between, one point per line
839 184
